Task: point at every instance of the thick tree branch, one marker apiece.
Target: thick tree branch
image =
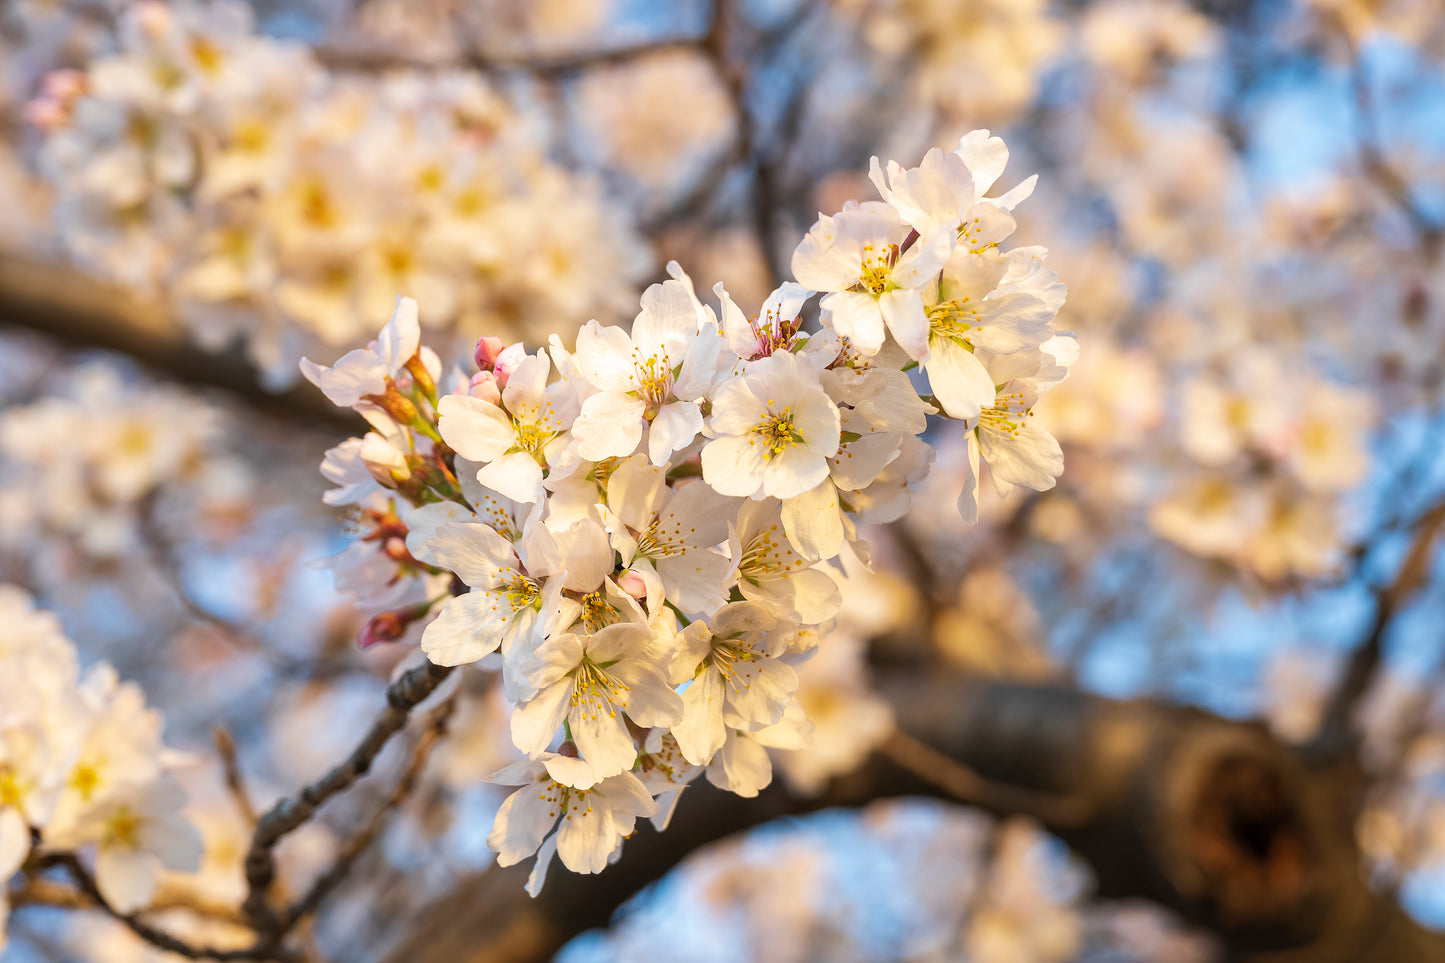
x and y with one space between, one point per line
1211 818
78 311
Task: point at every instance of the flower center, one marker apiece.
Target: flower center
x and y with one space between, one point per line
597 612
1008 415
521 592
654 377
877 268
954 319
763 557
594 691
777 432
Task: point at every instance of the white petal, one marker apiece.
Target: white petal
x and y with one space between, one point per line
475 429
469 627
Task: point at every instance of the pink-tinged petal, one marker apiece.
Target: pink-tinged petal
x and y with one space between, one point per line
627 798
959 380
586 837
701 733
602 737
477 553
794 471
604 354
475 429
635 490
758 693
816 597
814 523
610 425
126 877
527 384
697 581
704 512
855 316
176 843
739 333
517 476
985 156
968 497
520 773
825 260
736 409
860 462
469 627
401 337
622 640
903 310
669 318
357 373
648 699
554 659
741 767
676 426
535 722
817 419
571 772
588 555
1012 198
921 265
735 465
538 877
524 819
1029 456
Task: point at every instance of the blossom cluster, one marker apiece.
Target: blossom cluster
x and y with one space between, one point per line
82 766
639 531
274 199
82 464
1274 452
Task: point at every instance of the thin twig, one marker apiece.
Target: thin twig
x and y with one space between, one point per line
156 936
435 731
235 779
1334 737
291 813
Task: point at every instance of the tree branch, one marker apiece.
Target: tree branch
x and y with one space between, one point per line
290 813
1335 738
79 311
1212 818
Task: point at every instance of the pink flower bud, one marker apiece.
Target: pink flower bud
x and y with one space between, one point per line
633 585
484 386
487 351
386 627
64 85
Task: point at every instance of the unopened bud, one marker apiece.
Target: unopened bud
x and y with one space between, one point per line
633 585
484 386
419 374
386 627
395 404
487 351
391 626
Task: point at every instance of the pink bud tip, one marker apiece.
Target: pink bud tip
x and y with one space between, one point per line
484 386
633 585
487 351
